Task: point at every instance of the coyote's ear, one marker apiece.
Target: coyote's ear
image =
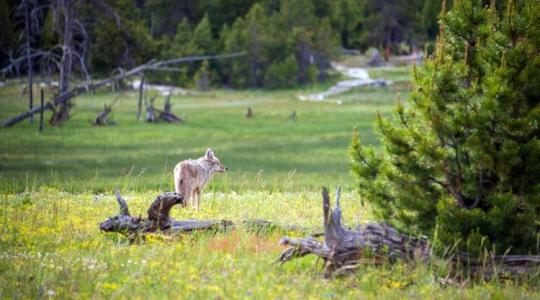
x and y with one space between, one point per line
209 153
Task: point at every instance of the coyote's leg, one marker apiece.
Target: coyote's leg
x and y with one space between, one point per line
197 196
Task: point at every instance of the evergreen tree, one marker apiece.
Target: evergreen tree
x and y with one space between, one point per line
235 40
255 35
325 48
202 36
461 159
347 18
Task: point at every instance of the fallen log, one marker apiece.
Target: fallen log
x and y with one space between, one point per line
66 97
345 250
159 220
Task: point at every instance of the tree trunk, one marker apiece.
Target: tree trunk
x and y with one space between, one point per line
41 112
61 113
29 59
141 92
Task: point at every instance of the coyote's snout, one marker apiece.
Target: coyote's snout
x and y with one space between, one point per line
190 176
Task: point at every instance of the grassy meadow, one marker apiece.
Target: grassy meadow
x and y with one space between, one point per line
55 188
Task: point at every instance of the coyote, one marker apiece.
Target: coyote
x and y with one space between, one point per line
190 176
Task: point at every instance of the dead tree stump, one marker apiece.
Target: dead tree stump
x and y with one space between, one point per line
166 114
343 250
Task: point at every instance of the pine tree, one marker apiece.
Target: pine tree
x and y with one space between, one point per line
461 158
202 36
325 48
254 36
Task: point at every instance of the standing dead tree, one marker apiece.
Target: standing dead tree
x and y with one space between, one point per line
66 97
344 250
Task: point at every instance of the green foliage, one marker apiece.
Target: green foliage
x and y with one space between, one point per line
8 31
461 158
202 37
282 74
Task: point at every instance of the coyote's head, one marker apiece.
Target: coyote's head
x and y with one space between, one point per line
215 164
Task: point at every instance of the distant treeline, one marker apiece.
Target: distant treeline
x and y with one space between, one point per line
288 42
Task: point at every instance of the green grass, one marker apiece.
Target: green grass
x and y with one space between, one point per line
268 152
55 188
50 245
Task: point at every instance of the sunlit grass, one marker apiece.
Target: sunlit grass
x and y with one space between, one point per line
267 152
50 245
55 188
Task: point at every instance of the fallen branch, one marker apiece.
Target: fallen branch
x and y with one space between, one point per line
66 97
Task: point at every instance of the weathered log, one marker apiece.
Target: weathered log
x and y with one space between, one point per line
158 218
344 250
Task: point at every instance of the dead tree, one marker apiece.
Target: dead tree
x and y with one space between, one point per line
150 110
166 114
103 117
28 56
344 250
66 97
141 92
